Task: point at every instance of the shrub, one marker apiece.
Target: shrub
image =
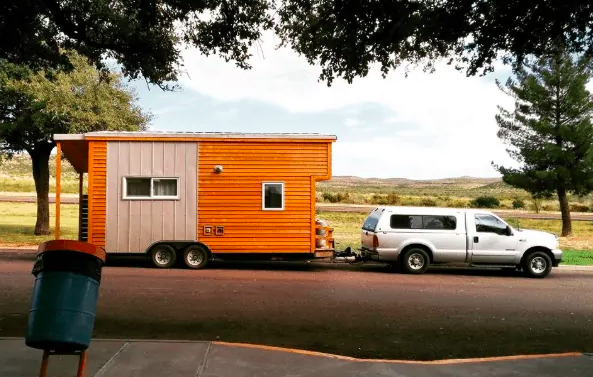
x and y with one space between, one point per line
576 207
337 197
428 202
550 207
518 204
392 198
457 203
485 202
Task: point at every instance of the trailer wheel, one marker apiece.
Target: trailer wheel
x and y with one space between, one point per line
415 261
163 256
195 257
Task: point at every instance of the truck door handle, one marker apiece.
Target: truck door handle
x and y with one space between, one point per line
476 239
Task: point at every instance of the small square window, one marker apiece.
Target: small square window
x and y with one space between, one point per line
273 196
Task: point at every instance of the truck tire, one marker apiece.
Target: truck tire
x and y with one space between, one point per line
195 257
537 264
163 256
415 261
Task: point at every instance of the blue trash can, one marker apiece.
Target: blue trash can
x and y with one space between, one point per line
64 300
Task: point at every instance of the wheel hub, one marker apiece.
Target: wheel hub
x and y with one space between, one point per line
416 261
538 265
194 257
162 257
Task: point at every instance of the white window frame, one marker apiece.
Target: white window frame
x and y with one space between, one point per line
151 196
263 196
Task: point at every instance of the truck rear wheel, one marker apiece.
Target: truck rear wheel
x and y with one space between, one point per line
415 261
163 256
195 257
537 264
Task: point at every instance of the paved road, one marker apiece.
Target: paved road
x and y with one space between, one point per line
361 311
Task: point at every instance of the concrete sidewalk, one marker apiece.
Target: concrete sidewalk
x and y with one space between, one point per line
118 358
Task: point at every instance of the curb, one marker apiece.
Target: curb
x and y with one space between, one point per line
340 357
395 361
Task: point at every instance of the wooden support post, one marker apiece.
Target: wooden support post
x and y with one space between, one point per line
81 364
44 364
58 188
47 353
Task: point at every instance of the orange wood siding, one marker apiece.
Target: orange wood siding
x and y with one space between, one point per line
97 192
233 199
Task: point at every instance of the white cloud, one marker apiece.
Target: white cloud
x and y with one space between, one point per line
352 122
448 118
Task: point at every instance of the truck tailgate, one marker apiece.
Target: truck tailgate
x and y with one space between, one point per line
366 239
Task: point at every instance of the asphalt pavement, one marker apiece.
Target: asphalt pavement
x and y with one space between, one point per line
355 311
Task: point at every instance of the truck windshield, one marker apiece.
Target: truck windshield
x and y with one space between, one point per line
371 222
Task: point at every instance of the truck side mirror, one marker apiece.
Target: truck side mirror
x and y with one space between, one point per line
509 231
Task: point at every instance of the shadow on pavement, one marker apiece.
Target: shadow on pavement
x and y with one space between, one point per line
140 261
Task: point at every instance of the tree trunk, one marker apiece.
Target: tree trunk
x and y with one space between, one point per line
40 158
565 210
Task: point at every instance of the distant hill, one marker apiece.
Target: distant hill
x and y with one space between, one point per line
15 175
461 187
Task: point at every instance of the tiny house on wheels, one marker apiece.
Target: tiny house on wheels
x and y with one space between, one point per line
192 197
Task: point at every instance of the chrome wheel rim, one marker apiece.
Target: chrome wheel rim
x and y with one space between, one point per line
416 261
194 258
162 257
538 265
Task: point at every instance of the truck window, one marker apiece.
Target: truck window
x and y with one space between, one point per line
490 224
370 224
406 222
423 222
439 222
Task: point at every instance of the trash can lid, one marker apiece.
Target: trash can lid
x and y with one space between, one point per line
71 245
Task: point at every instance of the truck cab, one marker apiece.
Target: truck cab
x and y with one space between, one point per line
417 237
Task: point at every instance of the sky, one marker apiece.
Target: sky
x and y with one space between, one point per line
424 126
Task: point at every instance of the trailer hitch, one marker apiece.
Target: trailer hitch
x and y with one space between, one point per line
348 256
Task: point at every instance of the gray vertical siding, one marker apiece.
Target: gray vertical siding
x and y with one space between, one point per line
132 225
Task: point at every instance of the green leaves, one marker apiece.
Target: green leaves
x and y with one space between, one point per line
34 106
550 132
347 38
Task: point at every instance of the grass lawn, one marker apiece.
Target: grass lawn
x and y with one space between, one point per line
18 222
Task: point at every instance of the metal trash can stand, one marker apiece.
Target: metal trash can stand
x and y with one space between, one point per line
64 300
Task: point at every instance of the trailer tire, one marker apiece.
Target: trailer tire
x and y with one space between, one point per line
195 257
163 256
415 260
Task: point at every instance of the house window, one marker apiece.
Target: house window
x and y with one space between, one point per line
147 188
273 196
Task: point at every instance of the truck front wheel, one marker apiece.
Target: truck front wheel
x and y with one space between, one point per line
537 264
415 261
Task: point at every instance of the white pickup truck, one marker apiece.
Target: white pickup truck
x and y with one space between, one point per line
415 238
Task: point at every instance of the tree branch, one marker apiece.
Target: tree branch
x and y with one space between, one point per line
78 33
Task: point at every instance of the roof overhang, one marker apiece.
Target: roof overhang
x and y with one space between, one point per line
76 146
107 135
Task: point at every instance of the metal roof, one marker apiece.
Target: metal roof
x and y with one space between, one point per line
173 134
